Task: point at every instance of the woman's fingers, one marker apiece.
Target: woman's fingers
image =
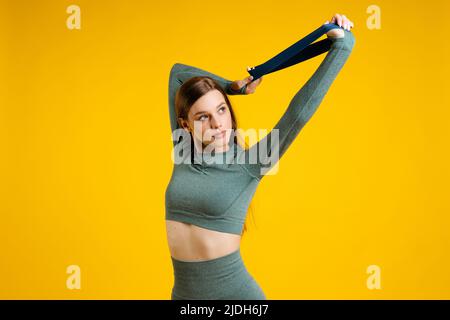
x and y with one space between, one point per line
348 23
342 21
339 19
238 84
251 87
246 80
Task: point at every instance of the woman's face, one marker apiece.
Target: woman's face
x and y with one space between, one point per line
209 120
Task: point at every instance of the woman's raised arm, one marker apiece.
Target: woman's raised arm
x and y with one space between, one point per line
301 108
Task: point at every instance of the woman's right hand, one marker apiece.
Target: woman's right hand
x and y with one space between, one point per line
251 85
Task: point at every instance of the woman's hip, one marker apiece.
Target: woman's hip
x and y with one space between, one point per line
223 278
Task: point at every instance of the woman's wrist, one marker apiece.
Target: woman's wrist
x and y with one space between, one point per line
239 90
336 34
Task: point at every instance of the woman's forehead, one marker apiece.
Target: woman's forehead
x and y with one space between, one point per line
209 102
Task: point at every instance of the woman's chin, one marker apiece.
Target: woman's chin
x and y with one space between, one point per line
220 144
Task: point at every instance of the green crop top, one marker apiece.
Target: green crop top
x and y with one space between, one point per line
215 192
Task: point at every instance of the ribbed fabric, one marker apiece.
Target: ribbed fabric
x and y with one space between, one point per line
223 278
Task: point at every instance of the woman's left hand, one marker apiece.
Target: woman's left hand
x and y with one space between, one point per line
342 21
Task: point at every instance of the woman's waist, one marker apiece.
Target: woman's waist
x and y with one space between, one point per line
188 242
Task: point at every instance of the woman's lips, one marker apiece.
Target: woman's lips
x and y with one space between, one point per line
220 135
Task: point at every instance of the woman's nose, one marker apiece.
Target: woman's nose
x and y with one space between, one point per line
216 124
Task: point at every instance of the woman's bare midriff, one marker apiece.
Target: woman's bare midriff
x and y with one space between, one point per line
188 242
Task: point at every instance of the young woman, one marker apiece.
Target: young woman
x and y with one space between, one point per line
207 200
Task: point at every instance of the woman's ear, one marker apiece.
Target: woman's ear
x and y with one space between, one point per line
184 124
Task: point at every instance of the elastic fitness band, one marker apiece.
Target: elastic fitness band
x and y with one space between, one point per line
300 51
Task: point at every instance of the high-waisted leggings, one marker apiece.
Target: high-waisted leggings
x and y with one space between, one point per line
223 278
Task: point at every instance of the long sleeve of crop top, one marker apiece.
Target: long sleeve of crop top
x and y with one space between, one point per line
301 108
179 74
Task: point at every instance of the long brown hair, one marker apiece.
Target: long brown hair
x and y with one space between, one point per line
189 92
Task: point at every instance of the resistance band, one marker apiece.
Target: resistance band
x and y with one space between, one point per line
300 51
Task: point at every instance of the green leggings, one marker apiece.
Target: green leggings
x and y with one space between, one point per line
223 278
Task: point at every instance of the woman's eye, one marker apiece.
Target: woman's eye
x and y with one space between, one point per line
204 117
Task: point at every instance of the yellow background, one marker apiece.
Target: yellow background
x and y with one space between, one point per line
86 147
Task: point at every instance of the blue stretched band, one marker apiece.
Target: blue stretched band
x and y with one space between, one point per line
300 51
